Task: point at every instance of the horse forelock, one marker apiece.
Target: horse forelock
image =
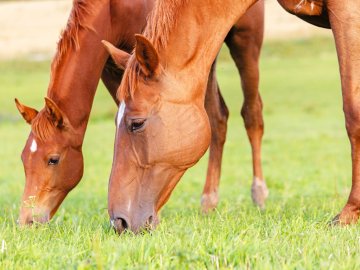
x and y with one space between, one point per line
42 126
130 79
69 39
160 22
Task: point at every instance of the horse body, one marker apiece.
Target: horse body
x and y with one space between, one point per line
52 156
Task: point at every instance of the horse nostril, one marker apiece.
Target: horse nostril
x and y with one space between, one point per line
25 223
120 225
149 223
150 220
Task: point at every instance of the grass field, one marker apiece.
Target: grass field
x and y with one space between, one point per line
306 158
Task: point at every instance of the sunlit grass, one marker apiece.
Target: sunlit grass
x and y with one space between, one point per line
306 159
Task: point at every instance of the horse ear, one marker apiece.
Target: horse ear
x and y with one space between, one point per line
55 114
147 56
27 113
120 57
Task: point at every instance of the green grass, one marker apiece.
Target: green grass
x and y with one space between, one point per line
306 163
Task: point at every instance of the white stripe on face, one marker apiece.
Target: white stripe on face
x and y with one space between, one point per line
120 113
33 146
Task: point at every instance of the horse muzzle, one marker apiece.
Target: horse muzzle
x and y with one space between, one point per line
121 223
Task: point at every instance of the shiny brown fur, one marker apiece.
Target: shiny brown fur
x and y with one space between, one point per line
75 72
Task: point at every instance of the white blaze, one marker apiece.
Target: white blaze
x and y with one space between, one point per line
120 113
33 146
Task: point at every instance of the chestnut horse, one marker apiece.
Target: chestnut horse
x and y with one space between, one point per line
52 156
163 128
162 125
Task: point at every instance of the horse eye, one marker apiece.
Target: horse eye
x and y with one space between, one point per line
53 160
136 125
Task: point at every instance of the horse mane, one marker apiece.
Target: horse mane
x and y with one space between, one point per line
69 36
42 126
160 22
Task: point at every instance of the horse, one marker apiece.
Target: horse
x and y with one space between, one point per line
52 156
162 126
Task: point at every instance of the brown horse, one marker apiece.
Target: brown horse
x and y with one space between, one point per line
52 156
163 128
162 125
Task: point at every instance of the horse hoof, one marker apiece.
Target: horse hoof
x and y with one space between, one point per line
335 221
349 215
209 202
259 192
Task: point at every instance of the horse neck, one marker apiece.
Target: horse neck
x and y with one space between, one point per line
198 34
75 74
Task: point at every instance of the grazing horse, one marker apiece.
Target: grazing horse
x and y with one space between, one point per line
162 126
52 156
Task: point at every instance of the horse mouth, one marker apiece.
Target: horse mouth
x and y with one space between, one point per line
30 218
122 225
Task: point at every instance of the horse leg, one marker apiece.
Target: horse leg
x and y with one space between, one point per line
245 41
345 24
218 115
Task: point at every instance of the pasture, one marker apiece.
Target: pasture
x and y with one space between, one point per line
306 158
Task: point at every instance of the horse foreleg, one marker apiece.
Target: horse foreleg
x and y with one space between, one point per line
345 23
244 42
218 116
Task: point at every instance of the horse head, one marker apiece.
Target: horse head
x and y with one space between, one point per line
162 130
52 160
